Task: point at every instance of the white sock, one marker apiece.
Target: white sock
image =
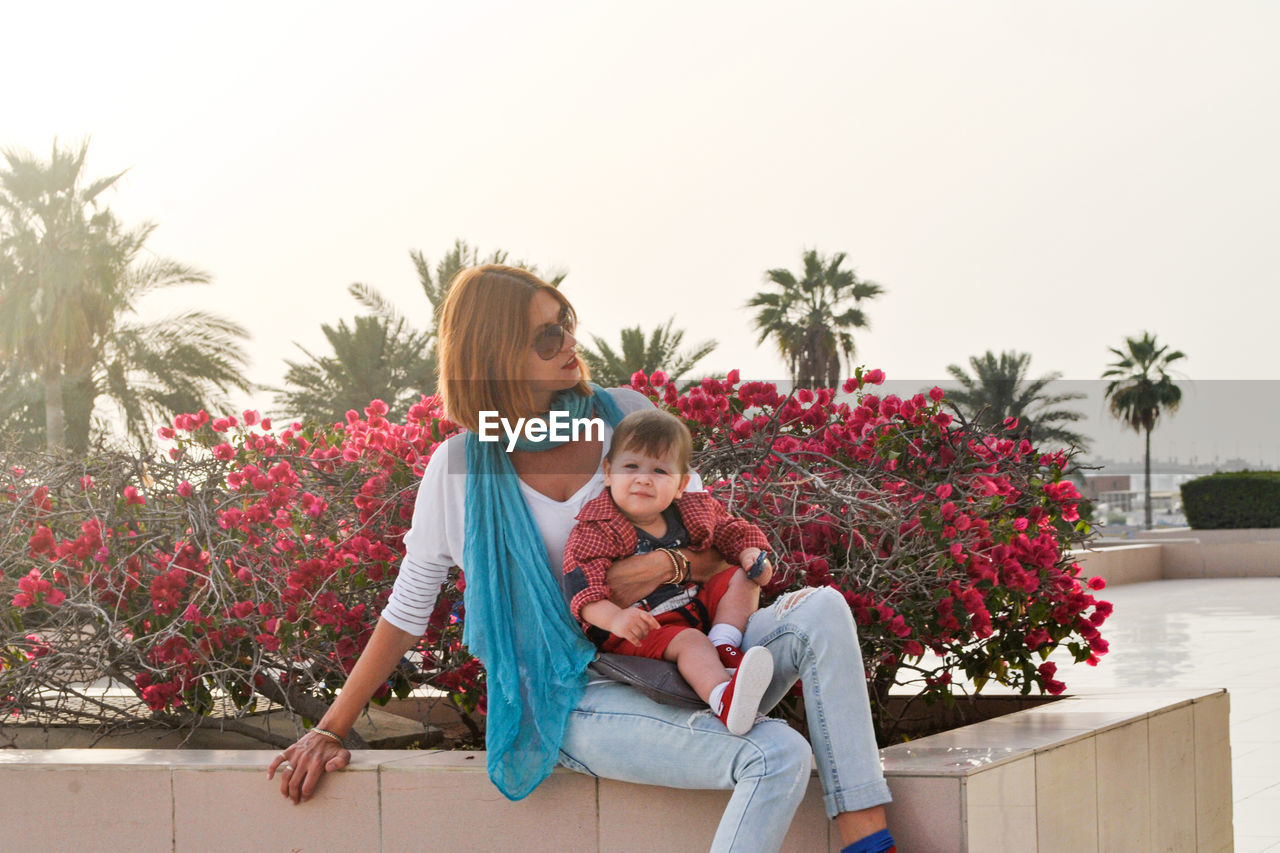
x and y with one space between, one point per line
717 693
722 633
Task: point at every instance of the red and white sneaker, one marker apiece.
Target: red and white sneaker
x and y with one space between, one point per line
741 699
730 656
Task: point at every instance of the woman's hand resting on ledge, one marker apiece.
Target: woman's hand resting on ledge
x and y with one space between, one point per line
302 765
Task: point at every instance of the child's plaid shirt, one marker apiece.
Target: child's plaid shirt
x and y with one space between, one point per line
603 535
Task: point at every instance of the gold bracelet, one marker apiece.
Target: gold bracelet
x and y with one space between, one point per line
330 735
675 565
687 565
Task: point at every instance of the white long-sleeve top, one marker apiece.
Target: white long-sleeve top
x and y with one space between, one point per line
434 543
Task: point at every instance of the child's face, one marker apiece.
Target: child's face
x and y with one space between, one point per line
643 486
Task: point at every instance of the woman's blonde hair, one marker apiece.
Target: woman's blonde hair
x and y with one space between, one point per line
484 340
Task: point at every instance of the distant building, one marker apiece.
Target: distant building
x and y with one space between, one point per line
1112 490
1122 485
1096 486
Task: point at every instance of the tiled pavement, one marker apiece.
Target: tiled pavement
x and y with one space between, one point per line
1207 633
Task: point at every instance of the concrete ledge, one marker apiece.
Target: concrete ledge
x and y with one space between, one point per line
1123 564
1185 553
1124 770
1223 559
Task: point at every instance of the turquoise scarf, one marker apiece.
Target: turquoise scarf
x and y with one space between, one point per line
517 623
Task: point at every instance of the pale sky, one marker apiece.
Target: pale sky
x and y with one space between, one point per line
1043 177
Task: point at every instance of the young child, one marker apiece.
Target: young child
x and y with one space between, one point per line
644 508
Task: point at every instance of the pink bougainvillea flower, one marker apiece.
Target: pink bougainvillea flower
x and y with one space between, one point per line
225 452
42 541
1036 638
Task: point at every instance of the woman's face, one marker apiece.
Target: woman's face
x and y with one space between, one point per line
562 370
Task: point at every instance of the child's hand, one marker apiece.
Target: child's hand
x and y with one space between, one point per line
749 557
632 624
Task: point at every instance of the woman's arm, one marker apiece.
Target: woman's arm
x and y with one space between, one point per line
314 754
632 578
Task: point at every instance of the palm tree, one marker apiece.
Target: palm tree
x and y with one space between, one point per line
152 370
436 287
69 286
53 241
1140 389
660 351
372 360
999 389
383 356
21 409
810 317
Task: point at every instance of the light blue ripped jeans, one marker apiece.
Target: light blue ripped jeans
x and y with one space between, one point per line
617 733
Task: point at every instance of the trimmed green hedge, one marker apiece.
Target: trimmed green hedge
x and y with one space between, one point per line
1233 500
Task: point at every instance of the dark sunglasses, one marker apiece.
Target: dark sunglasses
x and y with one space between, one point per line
550 340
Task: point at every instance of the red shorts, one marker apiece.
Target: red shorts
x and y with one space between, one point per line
674 621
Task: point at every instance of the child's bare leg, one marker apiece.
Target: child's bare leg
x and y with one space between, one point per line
697 661
736 701
741 598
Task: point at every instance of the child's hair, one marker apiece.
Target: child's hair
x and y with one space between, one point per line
653 432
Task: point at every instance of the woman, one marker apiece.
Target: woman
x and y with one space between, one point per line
507 346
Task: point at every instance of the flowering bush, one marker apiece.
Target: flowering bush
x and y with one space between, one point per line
950 542
252 563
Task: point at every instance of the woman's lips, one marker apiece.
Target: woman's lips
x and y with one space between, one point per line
572 362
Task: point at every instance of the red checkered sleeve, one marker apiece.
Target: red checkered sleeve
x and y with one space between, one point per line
727 534
591 550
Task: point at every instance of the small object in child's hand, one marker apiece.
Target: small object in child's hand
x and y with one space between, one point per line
757 568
